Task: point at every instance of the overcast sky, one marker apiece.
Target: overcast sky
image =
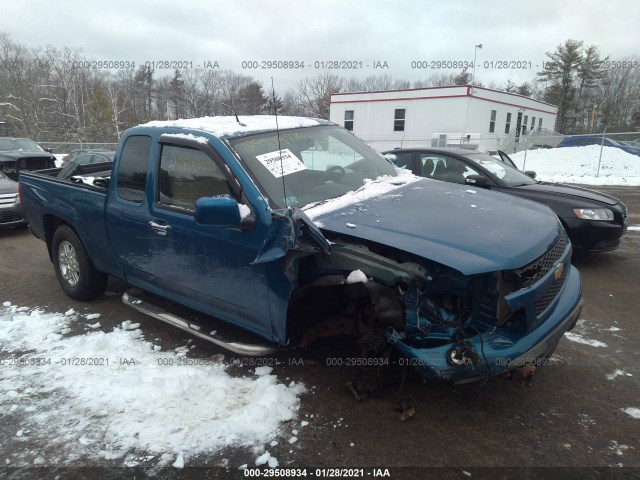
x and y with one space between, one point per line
396 32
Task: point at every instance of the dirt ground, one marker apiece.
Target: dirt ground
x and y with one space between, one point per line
568 424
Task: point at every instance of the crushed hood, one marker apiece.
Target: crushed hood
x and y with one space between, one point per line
471 230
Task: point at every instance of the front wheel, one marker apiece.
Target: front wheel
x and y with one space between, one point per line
76 274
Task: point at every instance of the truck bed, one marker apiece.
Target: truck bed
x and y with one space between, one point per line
49 200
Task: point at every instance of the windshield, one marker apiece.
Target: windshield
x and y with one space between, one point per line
22 144
509 175
317 163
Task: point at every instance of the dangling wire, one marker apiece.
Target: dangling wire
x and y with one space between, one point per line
275 112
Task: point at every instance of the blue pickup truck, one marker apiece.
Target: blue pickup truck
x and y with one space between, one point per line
288 229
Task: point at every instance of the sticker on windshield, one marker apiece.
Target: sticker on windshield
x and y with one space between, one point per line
289 163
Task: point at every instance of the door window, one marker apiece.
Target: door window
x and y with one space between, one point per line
447 169
187 174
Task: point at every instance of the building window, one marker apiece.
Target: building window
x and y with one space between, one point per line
348 120
524 124
507 125
533 123
492 122
398 120
540 123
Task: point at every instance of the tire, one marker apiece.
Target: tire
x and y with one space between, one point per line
76 274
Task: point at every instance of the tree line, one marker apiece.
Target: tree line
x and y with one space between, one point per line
48 94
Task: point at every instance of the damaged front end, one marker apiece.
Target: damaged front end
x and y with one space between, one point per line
446 324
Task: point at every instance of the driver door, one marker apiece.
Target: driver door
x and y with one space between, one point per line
204 266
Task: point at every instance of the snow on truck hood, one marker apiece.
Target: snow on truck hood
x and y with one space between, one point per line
471 230
229 126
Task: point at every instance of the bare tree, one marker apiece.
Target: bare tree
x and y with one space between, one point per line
314 93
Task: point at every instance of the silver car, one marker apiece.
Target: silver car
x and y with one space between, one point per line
10 208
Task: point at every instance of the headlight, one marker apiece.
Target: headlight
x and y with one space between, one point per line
593 213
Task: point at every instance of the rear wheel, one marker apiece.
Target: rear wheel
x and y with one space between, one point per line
76 274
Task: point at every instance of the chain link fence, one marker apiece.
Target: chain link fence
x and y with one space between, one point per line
58 148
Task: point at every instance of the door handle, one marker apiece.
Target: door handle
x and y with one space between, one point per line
159 228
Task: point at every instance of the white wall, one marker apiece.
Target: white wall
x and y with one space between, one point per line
436 110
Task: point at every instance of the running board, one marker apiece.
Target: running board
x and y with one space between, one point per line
141 301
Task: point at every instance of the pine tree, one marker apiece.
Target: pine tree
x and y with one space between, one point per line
560 71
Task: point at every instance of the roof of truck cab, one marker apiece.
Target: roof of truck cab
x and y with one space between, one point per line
229 126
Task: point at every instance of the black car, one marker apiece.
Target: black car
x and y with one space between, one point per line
74 153
10 208
90 162
594 221
23 154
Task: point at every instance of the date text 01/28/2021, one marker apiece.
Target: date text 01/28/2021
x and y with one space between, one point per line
318 472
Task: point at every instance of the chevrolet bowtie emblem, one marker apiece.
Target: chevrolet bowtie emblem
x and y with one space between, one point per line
559 271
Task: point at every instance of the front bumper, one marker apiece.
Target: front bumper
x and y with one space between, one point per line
12 216
596 236
500 351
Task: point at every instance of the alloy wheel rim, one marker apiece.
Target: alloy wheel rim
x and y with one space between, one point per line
68 260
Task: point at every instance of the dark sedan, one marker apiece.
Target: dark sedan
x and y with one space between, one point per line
594 221
97 163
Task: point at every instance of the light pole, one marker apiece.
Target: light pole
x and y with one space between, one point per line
473 77
473 74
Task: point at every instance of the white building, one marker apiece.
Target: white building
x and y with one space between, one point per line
441 116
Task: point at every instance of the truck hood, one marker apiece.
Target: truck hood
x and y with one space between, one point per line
471 230
568 190
13 155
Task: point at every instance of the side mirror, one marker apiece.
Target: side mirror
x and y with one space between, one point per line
391 158
222 211
50 150
530 173
477 181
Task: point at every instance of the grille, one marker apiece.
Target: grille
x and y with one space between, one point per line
531 273
34 163
545 300
7 199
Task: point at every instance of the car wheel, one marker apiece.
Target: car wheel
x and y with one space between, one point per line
76 274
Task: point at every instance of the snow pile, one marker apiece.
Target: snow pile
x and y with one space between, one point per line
580 165
112 395
357 276
229 125
371 188
185 136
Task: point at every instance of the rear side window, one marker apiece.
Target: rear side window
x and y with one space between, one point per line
132 173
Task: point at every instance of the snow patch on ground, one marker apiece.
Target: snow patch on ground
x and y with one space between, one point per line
578 334
574 337
633 412
126 401
618 373
580 165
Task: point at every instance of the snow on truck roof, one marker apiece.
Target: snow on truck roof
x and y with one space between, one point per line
229 125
